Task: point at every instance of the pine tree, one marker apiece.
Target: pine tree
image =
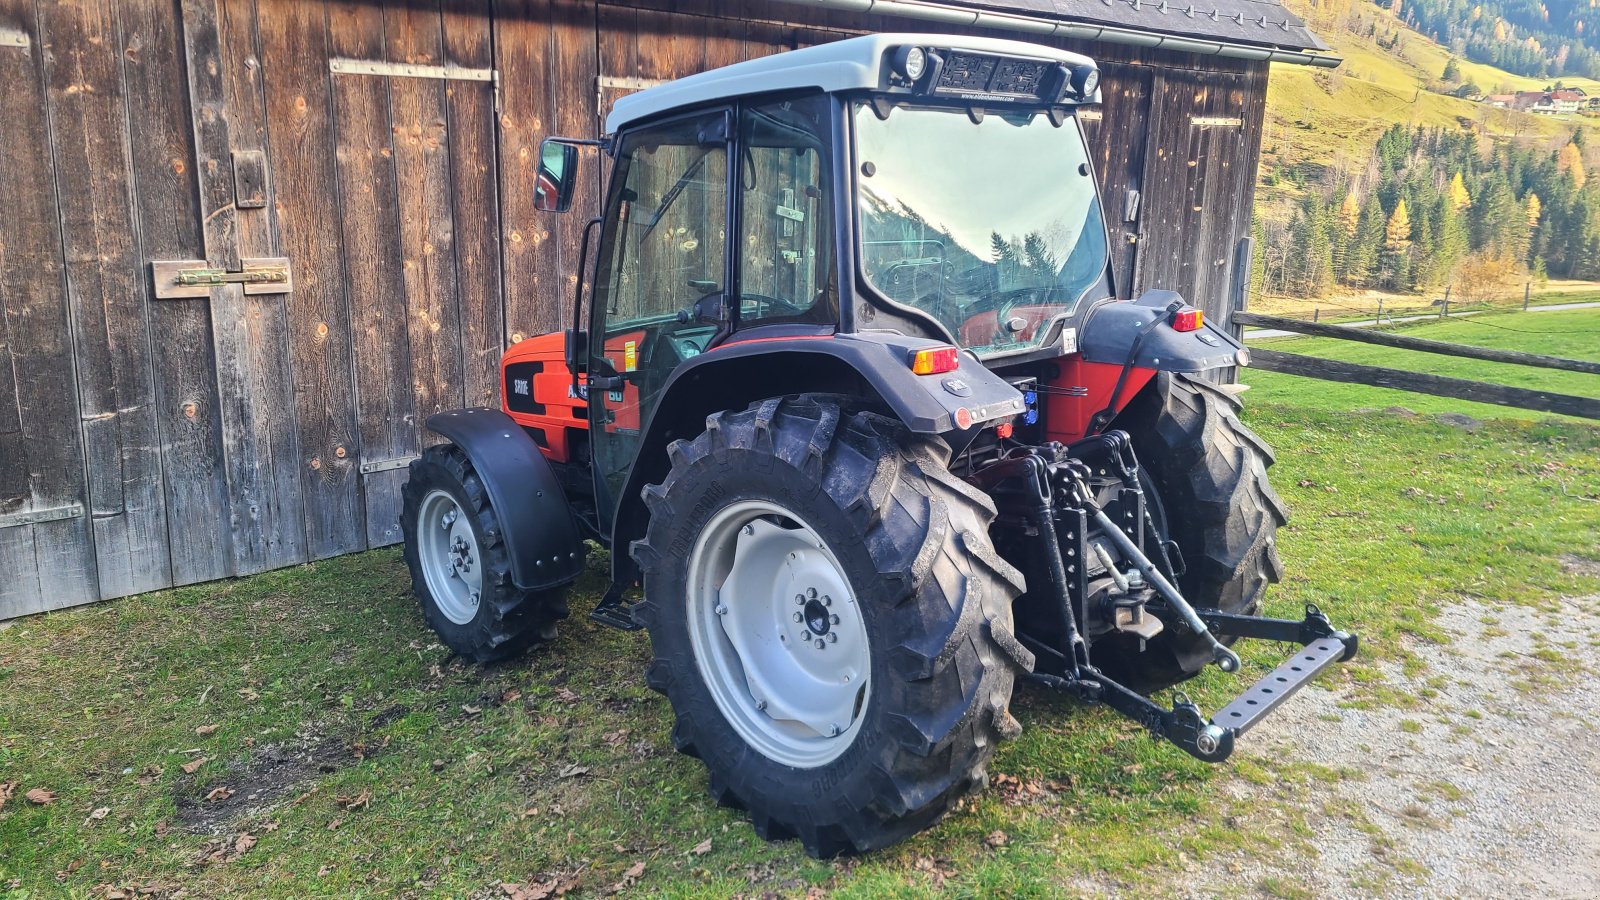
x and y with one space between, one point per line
1534 208
1452 71
1361 259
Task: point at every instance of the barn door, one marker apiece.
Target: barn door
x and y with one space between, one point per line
416 170
1197 198
1115 132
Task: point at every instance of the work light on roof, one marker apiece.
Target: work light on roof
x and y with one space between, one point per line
911 62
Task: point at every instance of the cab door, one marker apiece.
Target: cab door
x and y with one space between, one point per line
660 285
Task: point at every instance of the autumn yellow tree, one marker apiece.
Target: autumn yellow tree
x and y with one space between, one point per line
1459 198
1350 213
1534 209
1570 161
1397 234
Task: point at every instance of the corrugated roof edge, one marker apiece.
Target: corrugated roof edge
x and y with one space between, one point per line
1109 28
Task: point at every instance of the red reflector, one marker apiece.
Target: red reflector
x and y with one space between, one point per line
963 418
936 361
1187 320
1003 430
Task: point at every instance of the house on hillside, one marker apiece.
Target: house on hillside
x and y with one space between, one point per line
369 168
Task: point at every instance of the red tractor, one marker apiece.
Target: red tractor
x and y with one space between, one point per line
854 408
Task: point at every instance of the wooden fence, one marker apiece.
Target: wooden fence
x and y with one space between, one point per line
1437 385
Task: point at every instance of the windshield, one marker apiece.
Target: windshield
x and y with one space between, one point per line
989 223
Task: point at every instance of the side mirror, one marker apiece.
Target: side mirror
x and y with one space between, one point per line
577 349
558 175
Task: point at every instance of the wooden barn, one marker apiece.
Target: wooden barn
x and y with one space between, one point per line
248 246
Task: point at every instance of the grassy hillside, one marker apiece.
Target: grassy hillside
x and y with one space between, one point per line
1317 119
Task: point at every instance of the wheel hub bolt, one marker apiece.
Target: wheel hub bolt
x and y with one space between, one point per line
826 600
811 593
834 619
833 731
799 599
820 643
761 705
833 637
722 609
799 617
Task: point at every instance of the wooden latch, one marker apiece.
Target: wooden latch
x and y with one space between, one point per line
175 279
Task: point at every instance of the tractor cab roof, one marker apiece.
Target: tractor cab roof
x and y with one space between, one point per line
957 67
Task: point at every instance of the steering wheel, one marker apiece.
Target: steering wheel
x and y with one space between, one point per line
793 308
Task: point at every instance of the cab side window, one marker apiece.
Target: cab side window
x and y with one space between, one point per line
786 214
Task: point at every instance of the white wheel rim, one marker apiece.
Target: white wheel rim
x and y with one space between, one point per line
794 690
448 552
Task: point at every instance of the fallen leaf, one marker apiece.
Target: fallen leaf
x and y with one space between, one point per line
323 872
510 695
996 839
244 843
249 694
629 877
98 814
41 796
614 738
334 825
7 788
471 710
218 794
162 828
204 730
359 801
574 771
270 826
529 813
193 765
702 848
566 696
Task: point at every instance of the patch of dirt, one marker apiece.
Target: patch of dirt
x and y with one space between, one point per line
1486 788
1581 565
272 774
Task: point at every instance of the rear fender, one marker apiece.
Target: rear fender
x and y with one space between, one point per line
738 373
1109 335
535 521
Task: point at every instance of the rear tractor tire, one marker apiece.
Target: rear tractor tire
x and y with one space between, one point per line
1213 498
829 621
460 571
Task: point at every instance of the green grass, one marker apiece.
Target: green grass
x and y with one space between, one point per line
1574 334
324 684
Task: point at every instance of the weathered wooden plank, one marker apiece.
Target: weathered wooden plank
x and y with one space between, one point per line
1114 134
41 449
1437 385
371 208
167 212
414 35
112 337
576 113
525 58
254 355
294 64
1405 342
474 164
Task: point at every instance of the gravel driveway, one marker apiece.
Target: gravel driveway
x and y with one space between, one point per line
1489 787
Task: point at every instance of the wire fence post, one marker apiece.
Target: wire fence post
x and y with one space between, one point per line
1316 313
1444 309
1526 288
1380 310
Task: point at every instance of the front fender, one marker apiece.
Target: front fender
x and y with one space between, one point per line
1109 334
536 523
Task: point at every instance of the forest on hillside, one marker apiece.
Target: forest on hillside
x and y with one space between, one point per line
1529 37
1433 209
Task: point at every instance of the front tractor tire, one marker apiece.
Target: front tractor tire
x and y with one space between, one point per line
829 621
1209 473
460 570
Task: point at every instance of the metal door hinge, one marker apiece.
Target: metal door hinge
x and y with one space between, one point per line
10 37
35 516
384 465
175 279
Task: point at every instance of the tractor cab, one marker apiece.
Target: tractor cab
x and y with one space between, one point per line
926 192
